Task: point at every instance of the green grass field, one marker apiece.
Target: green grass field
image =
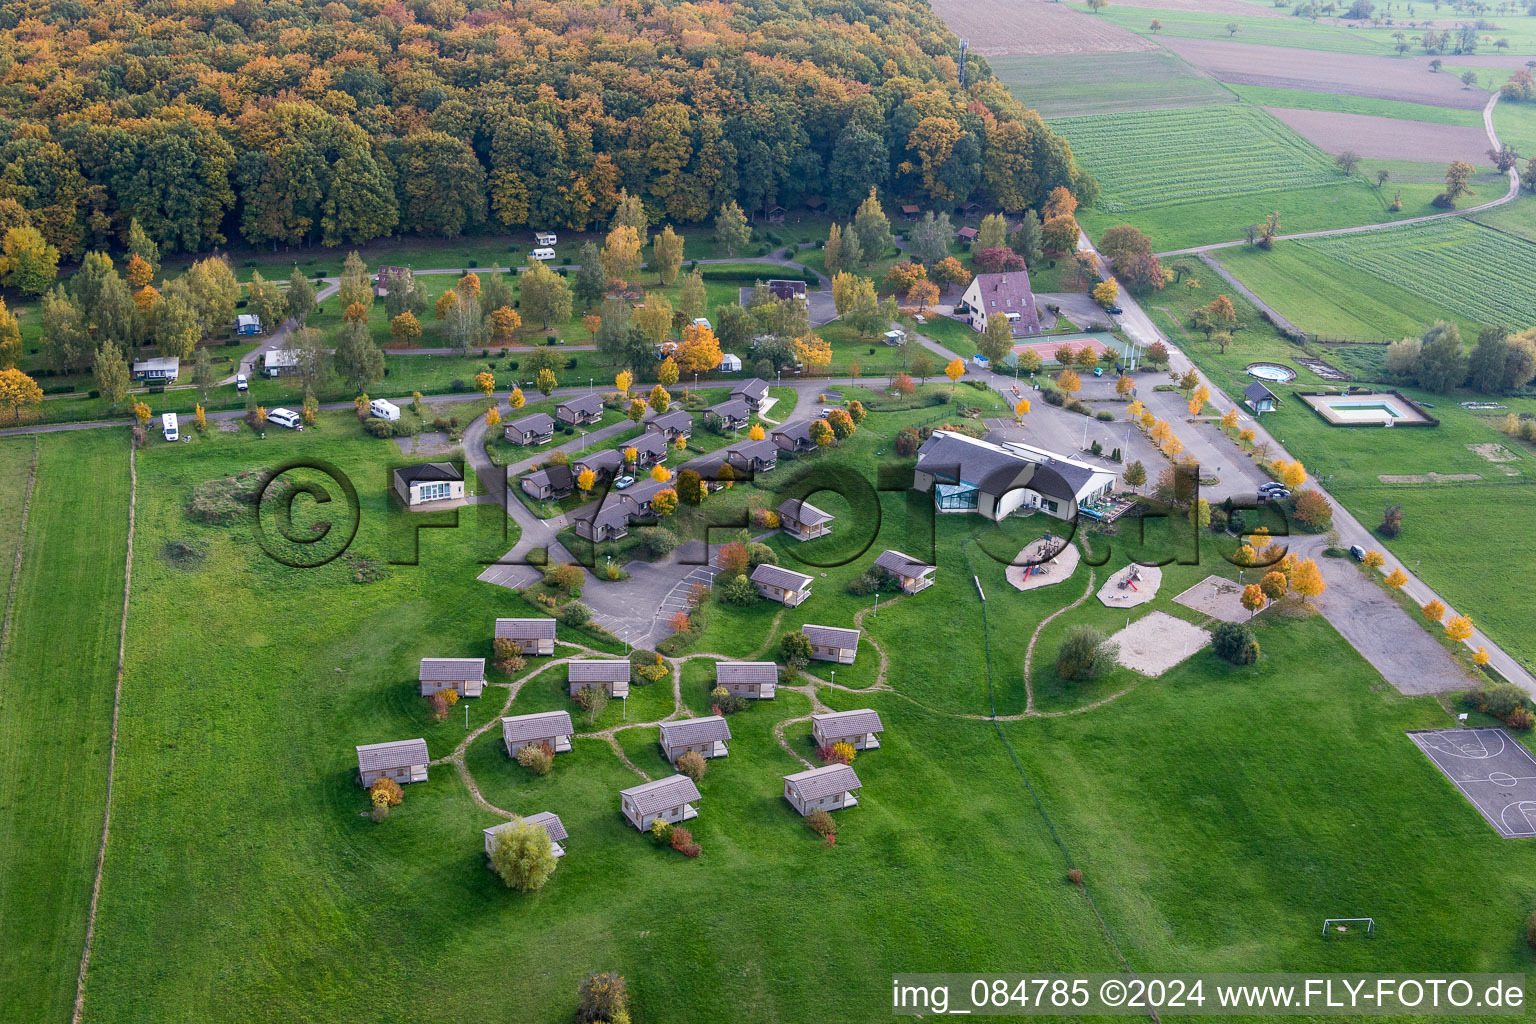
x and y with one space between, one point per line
1517 218
1301 99
1292 32
1103 83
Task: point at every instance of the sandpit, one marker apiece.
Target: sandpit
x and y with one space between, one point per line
1135 584
1156 642
1217 597
1035 566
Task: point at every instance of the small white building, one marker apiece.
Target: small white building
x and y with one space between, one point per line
430 481
829 788
404 761
465 675
280 361
534 636
757 680
832 643
548 821
670 799
861 729
707 737
730 363
896 337
161 370
611 674
544 238
802 520
785 586
547 728
247 323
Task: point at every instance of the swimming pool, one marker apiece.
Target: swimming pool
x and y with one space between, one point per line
1365 410
1275 372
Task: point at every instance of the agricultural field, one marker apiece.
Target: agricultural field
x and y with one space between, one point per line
1517 218
1386 138
1295 33
1105 83
1450 263
1306 99
1016 28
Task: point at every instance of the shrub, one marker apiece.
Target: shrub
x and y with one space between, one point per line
507 655
656 542
693 765
439 704
523 856
1313 510
537 758
682 842
1391 522
724 702
821 823
575 614
1520 719
837 753
565 577
1085 653
908 441
1104 415
1234 642
760 554
765 519
601 997
738 592
386 792
1499 699
1075 876
795 648
379 428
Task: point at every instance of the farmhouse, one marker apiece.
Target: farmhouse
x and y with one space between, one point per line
672 425
611 674
534 636
466 675
803 521
965 474
538 428
794 437
829 788
785 586
430 481
604 464
401 760
755 390
551 482
860 729
670 799
732 414
575 411
1005 294
832 643
758 680
1259 398
162 369
547 728
705 736
908 571
546 820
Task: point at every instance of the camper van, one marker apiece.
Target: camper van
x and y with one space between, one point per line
286 418
241 384
169 426
544 254
546 238
384 410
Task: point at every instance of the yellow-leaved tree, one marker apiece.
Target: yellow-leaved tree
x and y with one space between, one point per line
1459 628
492 418
516 399
485 382
586 480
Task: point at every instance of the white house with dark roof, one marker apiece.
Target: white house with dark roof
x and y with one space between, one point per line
612 674
670 799
832 643
402 760
429 482
546 728
466 675
804 521
585 409
912 574
777 583
757 680
1006 294
829 788
1259 398
707 737
161 369
536 428
966 474
534 636
861 729
547 820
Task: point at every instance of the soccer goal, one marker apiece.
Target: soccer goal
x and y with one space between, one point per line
1357 927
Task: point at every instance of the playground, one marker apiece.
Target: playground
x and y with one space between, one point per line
1156 642
1135 584
1042 562
1495 773
1217 597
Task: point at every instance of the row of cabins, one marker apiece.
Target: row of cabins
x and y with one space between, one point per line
791 588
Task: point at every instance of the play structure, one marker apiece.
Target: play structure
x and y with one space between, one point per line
1133 585
1043 562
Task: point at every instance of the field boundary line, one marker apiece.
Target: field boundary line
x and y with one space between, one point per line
117 696
21 541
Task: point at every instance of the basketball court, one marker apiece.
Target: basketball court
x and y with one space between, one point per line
1492 770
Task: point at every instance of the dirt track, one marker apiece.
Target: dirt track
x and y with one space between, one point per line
1026 28
1392 78
1387 138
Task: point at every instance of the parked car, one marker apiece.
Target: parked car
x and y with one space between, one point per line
1277 495
169 426
1357 552
1273 485
241 384
1113 310
623 482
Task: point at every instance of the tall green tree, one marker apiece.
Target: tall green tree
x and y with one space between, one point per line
358 361
440 185
929 240
299 301
65 342
731 228
546 296
692 296
591 282
204 376
102 297
613 331
404 294
1442 363
176 330
111 373
667 254
10 338
142 246
356 286
873 228
266 301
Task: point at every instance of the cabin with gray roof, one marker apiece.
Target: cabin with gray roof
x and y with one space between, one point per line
576 411
861 729
705 736
465 675
534 636
966 474
671 425
757 680
794 437
829 788
832 643
732 414
785 586
1259 398
671 799
650 449
908 571
161 369
750 458
404 761
604 464
612 674
755 390
537 428
547 820
551 729
550 483
804 521
605 522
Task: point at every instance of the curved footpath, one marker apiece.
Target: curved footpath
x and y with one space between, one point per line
1508 197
